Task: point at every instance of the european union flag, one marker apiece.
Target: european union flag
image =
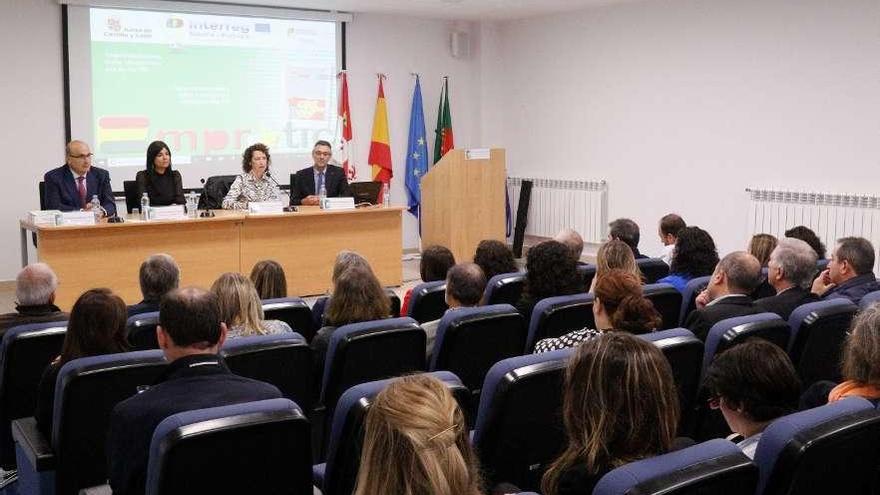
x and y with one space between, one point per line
417 152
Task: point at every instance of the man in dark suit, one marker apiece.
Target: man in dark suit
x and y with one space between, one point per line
35 288
735 276
307 182
790 272
158 275
190 334
71 186
624 229
850 273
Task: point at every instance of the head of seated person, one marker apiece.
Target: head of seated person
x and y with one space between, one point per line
860 366
158 275
613 255
346 260
550 271
670 226
465 284
435 263
760 246
695 254
620 405
158 158
807 235
619 304
626 230
190 323
35 285
852 257
269 279
241 308
357 297
792 263
96 326
416 441
494 257
737 273
573 241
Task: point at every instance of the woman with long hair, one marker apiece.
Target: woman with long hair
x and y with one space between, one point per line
269 279
433 266
163 185
760 246
615 254
694 256
550 271
241 308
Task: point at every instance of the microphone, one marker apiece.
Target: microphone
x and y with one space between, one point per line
207 213
287 208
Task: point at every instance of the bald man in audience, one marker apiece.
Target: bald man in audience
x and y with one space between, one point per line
790 271
850 273
71 186
465 284
35 287
726 296
573 241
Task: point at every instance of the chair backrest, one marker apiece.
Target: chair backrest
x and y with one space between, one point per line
132 201
269 440
556 316
667 302
684 351
732 331
140 331
395 302
215 190
504 288
518 430
822 264
41 188
653 269
86 392
689 296
363 352
828 449
869 299
587 273
337 476
293 311
818 331
25 352
717 466
284 360
428 301
319 308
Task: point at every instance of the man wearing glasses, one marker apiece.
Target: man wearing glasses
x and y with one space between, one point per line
306 185
71 186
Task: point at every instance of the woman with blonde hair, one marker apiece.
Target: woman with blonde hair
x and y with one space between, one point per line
615 254
416 442
241 308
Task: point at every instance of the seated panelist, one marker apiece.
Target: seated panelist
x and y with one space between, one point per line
71 186
307 182
163 185
253 184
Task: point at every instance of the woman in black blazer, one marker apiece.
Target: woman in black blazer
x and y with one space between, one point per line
163 185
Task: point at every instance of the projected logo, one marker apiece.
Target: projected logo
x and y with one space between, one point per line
122 133
114 24
174 23
308 108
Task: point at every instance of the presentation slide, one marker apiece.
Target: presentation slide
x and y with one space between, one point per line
208 86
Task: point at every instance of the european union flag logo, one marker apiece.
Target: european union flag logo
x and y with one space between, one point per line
417 152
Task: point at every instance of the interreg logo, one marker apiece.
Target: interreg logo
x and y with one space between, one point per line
174 23
219 27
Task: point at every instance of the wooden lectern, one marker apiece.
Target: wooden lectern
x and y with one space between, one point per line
463 201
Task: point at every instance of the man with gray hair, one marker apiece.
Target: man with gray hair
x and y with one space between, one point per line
790 272
726 296
35 288
573 241
624 229
465 283
159 274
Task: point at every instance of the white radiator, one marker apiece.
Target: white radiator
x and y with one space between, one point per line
831 216
557 204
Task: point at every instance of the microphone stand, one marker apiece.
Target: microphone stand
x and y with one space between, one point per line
207 213
287 208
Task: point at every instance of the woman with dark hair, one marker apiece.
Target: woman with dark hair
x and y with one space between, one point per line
805 234
752 384
269 280
694 256
96 326
619 405
495 258
435 262
163 185
618 305
550 271
254 184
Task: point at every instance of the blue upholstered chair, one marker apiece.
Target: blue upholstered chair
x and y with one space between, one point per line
504 288
869 299
818 331
684 351
140 331
428 301
653 269
293 311
689 296
556 316
667 302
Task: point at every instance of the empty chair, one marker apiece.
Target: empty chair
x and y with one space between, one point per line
828 449
689 296
684 351
869 299
214 190
716 467
293 311
132 200
588 273
818 331
428 301
284 360
653 269
25 352
556 316
518 430
266 441
140 331
505 288
667 302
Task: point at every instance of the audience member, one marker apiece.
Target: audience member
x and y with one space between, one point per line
624 229
670 225
163 185
573 241
850 272
435 262
805 234
726 296
345 260
269 280
190 334
860 366
618 304
465 284
694 256
96 326
753 384
416 442
615 254
611 422
159 274
35 287
550 271
790 272
241 308
760 246
495 258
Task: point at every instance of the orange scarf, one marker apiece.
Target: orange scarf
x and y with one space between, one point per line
852 388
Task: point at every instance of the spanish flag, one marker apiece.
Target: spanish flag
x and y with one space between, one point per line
380 147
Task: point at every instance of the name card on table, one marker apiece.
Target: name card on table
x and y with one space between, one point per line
77 218
44 217
477 154
172 212
265 207
338 204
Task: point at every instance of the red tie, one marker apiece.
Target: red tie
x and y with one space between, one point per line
81 189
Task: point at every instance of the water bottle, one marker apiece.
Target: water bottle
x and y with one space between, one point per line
322 195
145 207
96 207
386 195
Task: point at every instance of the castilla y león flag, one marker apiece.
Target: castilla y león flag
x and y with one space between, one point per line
380 147
345 138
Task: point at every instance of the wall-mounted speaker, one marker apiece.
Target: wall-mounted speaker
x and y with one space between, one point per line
460 44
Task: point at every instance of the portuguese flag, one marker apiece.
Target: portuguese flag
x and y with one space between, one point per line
380 148
443 131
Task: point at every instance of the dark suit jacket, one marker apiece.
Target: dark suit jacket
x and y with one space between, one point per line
143 307
61 191
192 382
701 320
303 184
31 314
784 303
854 289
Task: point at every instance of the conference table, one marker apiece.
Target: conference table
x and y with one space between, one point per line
304 242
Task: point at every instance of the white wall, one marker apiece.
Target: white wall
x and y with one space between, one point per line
681 104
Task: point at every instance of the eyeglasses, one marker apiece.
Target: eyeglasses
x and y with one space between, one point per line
322 153
87 155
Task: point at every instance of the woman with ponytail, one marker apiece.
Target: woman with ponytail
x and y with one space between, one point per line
618 305
416 442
